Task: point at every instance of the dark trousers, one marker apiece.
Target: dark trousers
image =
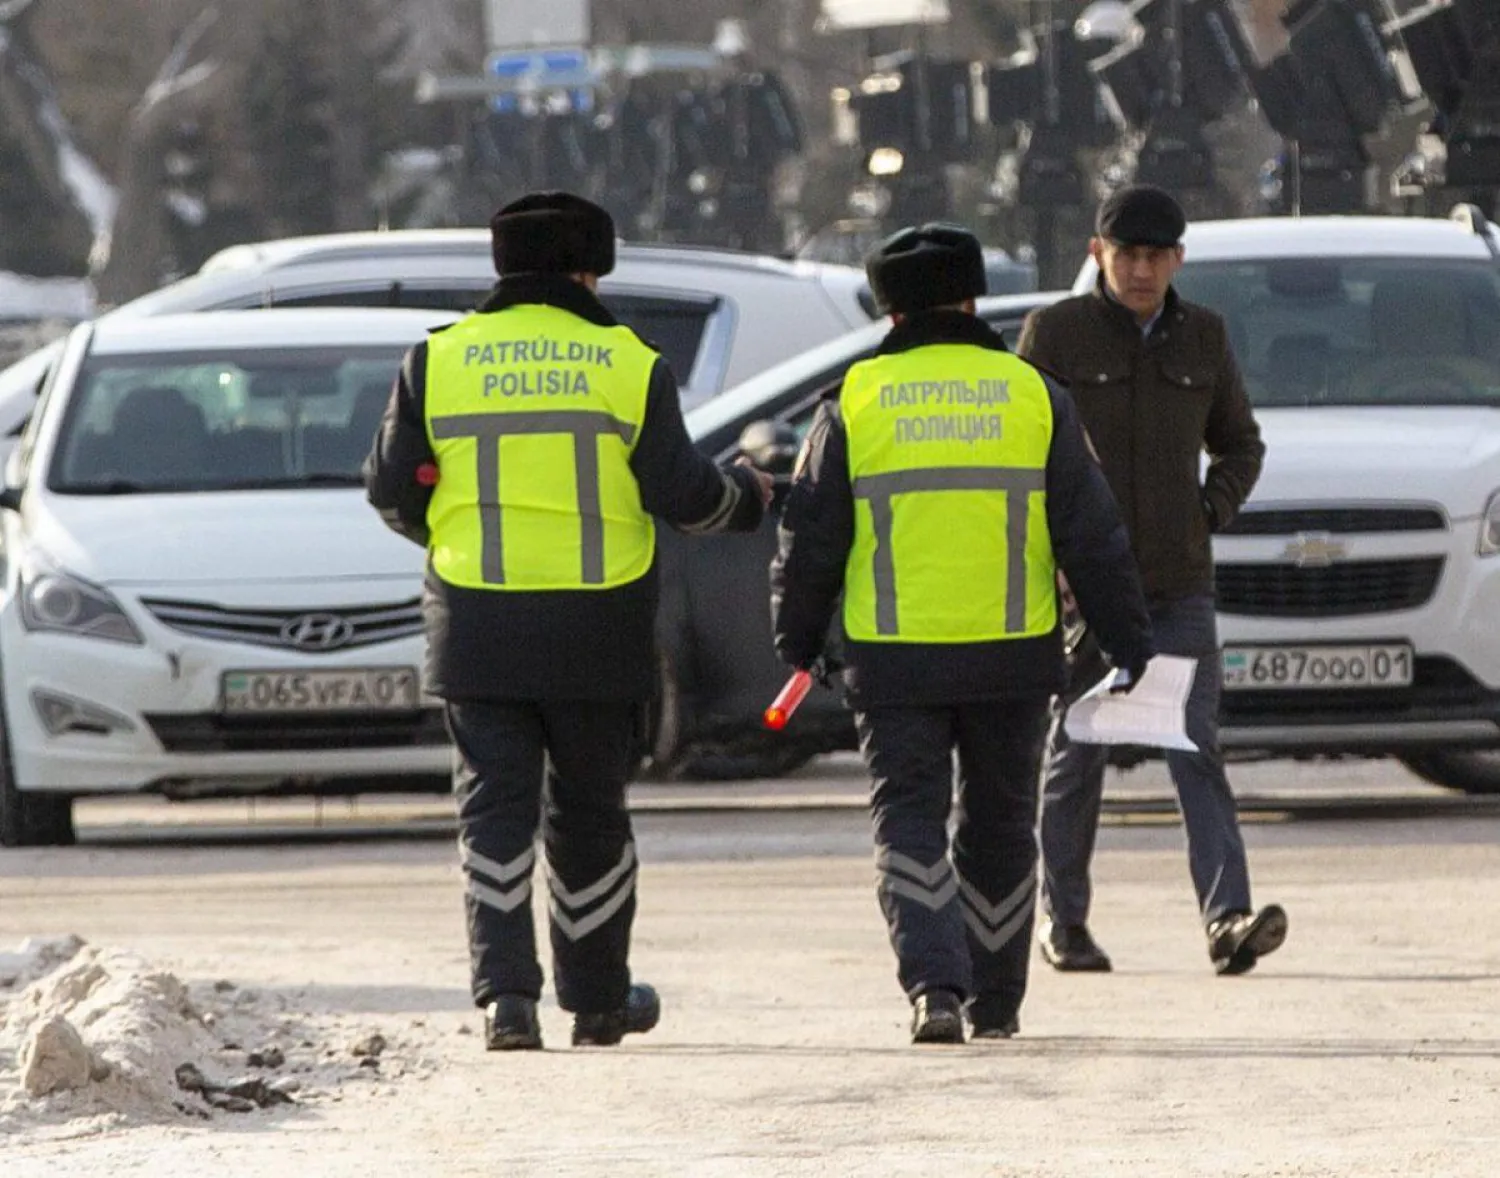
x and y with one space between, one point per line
1073 786
958 920
563 767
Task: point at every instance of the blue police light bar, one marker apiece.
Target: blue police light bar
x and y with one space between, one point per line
565 71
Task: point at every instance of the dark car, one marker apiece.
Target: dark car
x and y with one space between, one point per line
719 670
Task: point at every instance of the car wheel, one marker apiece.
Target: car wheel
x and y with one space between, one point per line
712 765
31 819
1474 771
663 724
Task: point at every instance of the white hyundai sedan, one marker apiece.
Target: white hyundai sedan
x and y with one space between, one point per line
198 600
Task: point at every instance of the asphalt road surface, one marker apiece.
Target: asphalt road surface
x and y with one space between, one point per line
1370 1045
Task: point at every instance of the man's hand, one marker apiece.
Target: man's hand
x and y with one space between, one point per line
1126 679
764 483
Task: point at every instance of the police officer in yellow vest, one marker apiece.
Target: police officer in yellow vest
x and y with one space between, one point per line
940 493
528 448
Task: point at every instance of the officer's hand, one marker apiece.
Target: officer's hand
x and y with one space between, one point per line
764 483
825 669
1126 678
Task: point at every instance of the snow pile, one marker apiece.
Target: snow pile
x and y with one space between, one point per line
105 1039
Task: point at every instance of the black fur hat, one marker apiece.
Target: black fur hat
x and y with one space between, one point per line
932 265
552 232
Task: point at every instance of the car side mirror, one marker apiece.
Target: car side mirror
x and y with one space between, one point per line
10 498
771 445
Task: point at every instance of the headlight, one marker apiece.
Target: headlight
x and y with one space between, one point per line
1489 527
56 601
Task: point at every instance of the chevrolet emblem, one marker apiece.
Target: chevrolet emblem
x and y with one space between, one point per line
1314 550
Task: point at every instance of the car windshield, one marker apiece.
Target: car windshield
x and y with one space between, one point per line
1358 331
222 421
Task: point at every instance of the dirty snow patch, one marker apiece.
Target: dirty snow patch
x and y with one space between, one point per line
104 1039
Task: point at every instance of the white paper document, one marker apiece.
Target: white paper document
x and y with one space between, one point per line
1152 714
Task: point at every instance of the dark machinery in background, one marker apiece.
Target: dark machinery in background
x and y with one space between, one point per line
675 154
1334 85
1454 50
690 153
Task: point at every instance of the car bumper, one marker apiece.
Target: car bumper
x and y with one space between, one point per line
1454 698
151 720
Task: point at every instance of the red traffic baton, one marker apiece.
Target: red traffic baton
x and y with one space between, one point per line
427 475
787 700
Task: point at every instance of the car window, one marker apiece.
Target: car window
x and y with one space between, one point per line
675 327
195 421
1358 331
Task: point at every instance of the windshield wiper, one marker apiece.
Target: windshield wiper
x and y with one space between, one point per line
320 479
111 487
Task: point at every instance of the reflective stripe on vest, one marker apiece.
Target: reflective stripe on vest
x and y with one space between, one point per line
533 414
948 450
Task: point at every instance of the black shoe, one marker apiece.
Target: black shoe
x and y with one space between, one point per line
1237 941
1070 948
993 1016
510 1024
641 1012
984 1029
937 1017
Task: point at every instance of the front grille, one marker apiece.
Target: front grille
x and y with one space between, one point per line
367 625
1342 590
1288 521
208 732
1440 690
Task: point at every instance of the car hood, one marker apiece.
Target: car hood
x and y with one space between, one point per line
238 537
1436 455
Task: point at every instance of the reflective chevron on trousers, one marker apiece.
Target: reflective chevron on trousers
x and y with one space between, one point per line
615 887
889 861
901 875
501 873
501 901
995 925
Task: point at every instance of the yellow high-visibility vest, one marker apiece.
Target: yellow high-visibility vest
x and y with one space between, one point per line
533 414
948 450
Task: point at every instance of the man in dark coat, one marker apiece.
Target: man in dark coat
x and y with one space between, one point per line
1156 384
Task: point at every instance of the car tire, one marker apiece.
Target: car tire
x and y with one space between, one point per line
663 724
1472 771
711 765
31 819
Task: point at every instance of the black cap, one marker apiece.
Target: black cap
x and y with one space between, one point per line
1141 215
552 232
932 265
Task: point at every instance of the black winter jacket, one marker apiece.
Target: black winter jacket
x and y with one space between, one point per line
1088 538
1152 407
560 645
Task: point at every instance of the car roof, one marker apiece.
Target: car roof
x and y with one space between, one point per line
216 330
441 243
1282 237
1254 238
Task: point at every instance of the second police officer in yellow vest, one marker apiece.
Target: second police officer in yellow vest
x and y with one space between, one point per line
529 447
940 494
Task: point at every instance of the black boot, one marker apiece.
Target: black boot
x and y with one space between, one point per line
937 1017
992 1017
1071 949
1237 941
510 1024
641 1012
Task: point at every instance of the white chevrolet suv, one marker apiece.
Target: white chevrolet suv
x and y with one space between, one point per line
1359 591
